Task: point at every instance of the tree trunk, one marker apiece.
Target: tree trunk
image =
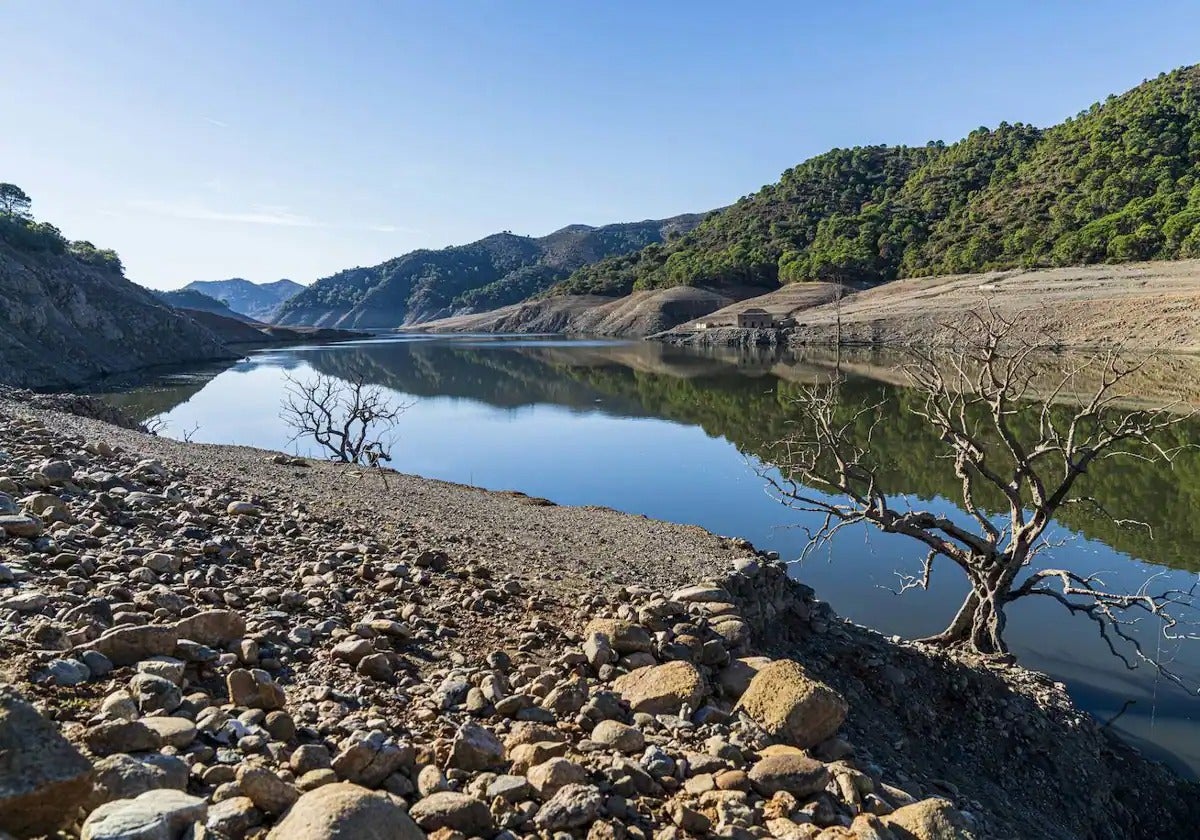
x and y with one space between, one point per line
979 623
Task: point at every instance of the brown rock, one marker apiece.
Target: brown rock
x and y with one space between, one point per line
929 819
735 678
343 811
785 701
455 811
268 792
623 636
43 779
129 645
212 627
547 777
254 689
796 774
662 689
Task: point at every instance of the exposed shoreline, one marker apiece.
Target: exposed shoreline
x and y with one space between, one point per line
952 736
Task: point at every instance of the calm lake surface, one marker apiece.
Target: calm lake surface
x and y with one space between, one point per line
677 435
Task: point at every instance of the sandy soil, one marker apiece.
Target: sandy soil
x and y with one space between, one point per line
637 315
1152 306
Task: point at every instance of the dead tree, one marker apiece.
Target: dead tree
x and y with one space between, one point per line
351 420
1024 444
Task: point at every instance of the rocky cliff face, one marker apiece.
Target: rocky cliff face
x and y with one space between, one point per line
63 321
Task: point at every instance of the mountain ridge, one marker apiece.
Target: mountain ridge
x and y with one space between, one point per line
1119 182
497 270
197 301
258 301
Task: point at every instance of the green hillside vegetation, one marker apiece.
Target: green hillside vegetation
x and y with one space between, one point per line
1119 182
495 271
20 230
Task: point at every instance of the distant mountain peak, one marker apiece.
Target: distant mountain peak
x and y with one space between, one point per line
258 301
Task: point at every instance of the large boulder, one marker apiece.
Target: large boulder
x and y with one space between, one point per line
124 776
254 689
455 811
662 689
623 636
43 779
929 819
155 815
475 748
212 627
129 645
573 806
785 701
342 811
794 773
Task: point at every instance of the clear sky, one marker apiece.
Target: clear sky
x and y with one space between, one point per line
265 139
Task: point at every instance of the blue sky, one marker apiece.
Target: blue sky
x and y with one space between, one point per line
265 139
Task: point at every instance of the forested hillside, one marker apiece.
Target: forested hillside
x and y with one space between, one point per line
1116 183
495 271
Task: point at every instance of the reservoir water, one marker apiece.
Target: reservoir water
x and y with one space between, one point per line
680 435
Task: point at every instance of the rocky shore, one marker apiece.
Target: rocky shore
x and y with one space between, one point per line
221 642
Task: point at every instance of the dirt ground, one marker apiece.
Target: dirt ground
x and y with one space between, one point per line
1146 305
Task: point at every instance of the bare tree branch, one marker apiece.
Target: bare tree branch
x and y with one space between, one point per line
350 419
1008 437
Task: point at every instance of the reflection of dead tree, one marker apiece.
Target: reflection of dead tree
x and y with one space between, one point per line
1029 455
351 420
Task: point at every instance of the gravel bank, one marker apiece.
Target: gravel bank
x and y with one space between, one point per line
573 546
211 638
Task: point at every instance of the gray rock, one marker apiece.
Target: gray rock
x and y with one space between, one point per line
155 694
243 509
367 759
167 667
598 651
124 776
129 645
43 779
56 470
25 602
20 525
572 807
509 788
68 671
154 815
475 748
98 664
